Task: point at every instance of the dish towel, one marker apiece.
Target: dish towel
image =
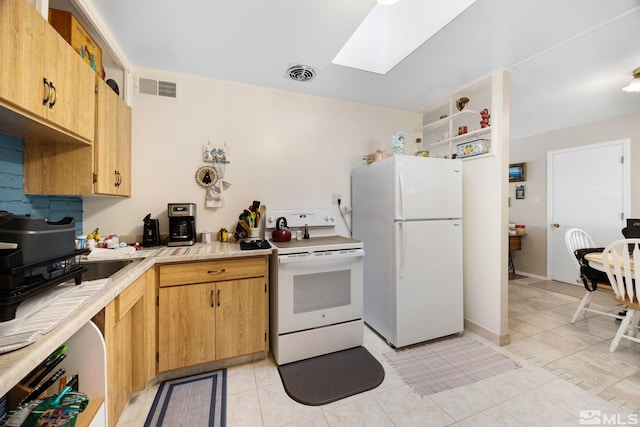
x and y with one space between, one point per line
39 314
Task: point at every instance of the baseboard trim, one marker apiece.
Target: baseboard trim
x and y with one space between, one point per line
501 340
534 276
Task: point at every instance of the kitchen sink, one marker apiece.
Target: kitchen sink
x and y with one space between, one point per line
103 269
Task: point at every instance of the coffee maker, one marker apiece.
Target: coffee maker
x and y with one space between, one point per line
182 224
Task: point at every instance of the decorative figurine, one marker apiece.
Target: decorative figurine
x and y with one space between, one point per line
461 103
484 114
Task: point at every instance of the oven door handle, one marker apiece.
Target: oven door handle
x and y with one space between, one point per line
330 256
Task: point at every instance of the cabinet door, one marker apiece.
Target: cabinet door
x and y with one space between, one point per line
112 143
119 361
129 334
241 317
186 325
105 145
74 82
21 56
123 152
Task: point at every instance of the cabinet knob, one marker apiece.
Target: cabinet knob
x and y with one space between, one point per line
213 272
555 225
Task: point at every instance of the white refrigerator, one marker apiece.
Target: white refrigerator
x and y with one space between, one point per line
407 211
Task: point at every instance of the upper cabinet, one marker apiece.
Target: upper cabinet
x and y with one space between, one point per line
22 57
74 82
112 144
76 130
103 168
46 89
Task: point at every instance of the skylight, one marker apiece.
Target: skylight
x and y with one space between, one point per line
390 33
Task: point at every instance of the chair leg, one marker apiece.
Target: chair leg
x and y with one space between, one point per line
624 326
633 326
584 303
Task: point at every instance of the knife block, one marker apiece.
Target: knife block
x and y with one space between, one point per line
20 391
17 393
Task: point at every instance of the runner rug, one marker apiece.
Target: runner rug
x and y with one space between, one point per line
447 363
330 377
199 400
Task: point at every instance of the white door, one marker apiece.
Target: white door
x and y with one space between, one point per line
587 188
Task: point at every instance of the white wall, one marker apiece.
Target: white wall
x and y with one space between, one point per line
287 150
532 259
485 223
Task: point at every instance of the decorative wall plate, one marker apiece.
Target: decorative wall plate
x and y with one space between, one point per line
206 176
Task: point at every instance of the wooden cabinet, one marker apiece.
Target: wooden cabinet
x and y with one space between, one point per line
22 56
74 82
46 89
77 131
186 325
112 143
103 168
128 324
212 310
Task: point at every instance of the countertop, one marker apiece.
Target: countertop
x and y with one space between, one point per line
16 364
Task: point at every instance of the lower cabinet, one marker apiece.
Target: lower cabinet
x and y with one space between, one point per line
128 326
212 310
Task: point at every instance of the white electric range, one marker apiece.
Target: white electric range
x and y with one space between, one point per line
316 295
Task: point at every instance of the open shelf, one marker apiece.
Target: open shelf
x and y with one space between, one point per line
440 133
444 121
86 357
459 138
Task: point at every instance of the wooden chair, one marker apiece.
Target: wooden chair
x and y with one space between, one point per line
618 264
575 239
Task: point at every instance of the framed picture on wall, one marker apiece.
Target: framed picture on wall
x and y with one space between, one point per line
517 172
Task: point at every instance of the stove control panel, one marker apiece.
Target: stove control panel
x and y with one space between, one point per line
300 218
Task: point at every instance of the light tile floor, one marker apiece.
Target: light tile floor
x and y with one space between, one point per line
565 369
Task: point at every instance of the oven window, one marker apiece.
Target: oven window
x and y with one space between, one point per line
320 291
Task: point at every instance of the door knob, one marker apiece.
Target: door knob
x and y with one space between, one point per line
555 225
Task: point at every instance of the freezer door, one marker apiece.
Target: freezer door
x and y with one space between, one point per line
428 294
427 188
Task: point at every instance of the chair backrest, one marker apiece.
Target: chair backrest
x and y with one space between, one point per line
618 264
632 230
576 238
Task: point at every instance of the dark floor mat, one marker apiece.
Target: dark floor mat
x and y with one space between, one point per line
334 376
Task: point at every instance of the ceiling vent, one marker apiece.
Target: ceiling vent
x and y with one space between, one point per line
163 89
301 73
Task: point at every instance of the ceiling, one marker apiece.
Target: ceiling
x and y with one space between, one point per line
569 58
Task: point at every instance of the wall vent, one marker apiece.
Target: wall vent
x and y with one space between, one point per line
159 88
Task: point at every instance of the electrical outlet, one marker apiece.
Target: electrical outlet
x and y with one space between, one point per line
335 197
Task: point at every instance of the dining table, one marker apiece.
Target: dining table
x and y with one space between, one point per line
595 260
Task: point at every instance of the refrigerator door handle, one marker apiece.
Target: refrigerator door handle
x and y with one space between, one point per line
401 196
402 249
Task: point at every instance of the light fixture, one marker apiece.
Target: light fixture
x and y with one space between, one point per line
387 2
634 86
